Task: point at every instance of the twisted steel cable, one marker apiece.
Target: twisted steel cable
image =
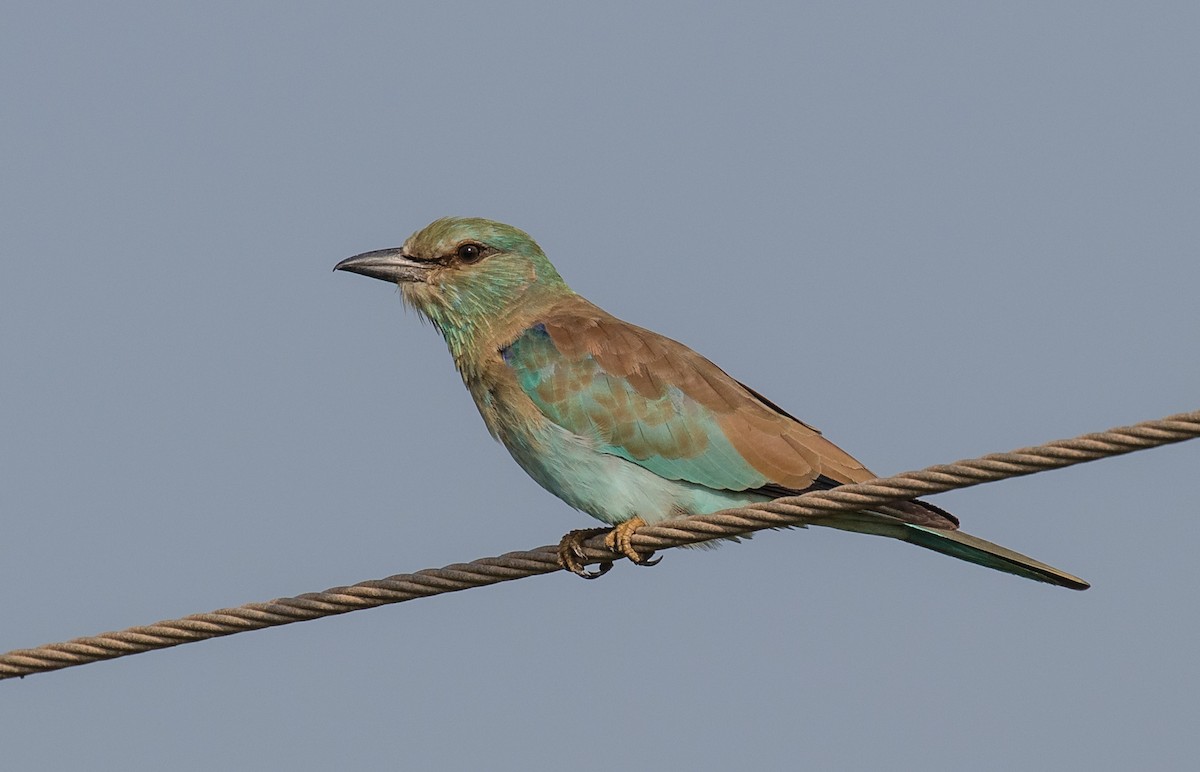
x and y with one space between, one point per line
783 512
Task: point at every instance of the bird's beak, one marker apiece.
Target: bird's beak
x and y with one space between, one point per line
387 264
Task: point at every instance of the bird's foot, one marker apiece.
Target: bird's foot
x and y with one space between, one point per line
620 539
571 554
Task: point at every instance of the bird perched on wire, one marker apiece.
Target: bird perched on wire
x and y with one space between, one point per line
620 422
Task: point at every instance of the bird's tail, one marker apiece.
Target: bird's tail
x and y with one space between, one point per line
956 544
964 546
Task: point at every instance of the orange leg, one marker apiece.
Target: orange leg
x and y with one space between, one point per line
620 540
571 554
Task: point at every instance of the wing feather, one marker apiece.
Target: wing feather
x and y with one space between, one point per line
654 401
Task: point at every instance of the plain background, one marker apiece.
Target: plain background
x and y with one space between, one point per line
934 230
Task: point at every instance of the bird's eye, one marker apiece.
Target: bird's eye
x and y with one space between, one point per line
469 253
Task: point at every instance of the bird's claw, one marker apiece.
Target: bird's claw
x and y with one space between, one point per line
571 554
620 540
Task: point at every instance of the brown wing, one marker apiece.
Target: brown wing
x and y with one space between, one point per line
788 453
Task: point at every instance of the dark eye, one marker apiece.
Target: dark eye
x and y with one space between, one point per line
469 253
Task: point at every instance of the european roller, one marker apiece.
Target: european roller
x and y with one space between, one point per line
620 422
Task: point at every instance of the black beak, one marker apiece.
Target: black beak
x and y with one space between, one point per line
386 264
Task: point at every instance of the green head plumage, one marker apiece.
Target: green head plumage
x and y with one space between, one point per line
467 275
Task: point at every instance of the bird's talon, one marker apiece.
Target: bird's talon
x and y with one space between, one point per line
604 568
620 540
572 556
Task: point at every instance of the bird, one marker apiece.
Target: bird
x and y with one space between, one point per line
624 424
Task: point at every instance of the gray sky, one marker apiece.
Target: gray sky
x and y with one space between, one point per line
933 231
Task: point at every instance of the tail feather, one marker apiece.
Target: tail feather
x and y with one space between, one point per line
964 546
956 544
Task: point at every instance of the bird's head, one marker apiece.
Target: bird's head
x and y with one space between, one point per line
465 274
